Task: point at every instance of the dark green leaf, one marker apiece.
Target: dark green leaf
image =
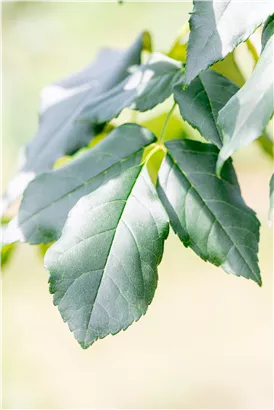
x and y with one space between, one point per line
103 269
149 85
50 196
200 103
246 114
208 214
271 201
268 30
61 130
217 27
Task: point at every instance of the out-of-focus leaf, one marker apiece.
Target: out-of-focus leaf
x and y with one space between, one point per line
61 129
229 68
103 269
6 250
246 114
179 48
217 27
208 214
201 102
50 196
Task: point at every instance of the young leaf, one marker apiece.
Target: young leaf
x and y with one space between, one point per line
271 201
208 214
217 27
61 130
50 196
200 103
103 269
268 30
149 85
246 114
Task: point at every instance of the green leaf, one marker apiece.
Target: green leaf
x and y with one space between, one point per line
246 114
271 201
217 27
6 250
61 130
208 214
50 196
103 269
200 103
268 30
150 84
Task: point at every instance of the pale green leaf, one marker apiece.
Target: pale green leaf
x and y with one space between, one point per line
201 102
207 213
103 269
246 114
50 196
217 27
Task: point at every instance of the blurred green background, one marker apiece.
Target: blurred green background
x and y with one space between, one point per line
206 341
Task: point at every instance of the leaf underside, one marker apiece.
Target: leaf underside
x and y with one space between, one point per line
207 213
103 270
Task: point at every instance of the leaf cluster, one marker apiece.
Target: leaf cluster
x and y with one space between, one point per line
106 205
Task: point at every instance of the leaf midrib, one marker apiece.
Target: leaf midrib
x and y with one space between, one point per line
109 251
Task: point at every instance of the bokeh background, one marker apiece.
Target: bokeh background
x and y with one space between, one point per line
206 340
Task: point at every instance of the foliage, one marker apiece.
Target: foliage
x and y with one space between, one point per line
100 197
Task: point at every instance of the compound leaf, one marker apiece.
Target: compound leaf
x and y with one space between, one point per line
208 214
103 269
149 85
246 114
61 129
201 102
217 27
50 196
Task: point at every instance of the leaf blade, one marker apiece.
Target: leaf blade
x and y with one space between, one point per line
148 86
200 103
246 114
207 45
120 245
50 196
208 214
61 130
